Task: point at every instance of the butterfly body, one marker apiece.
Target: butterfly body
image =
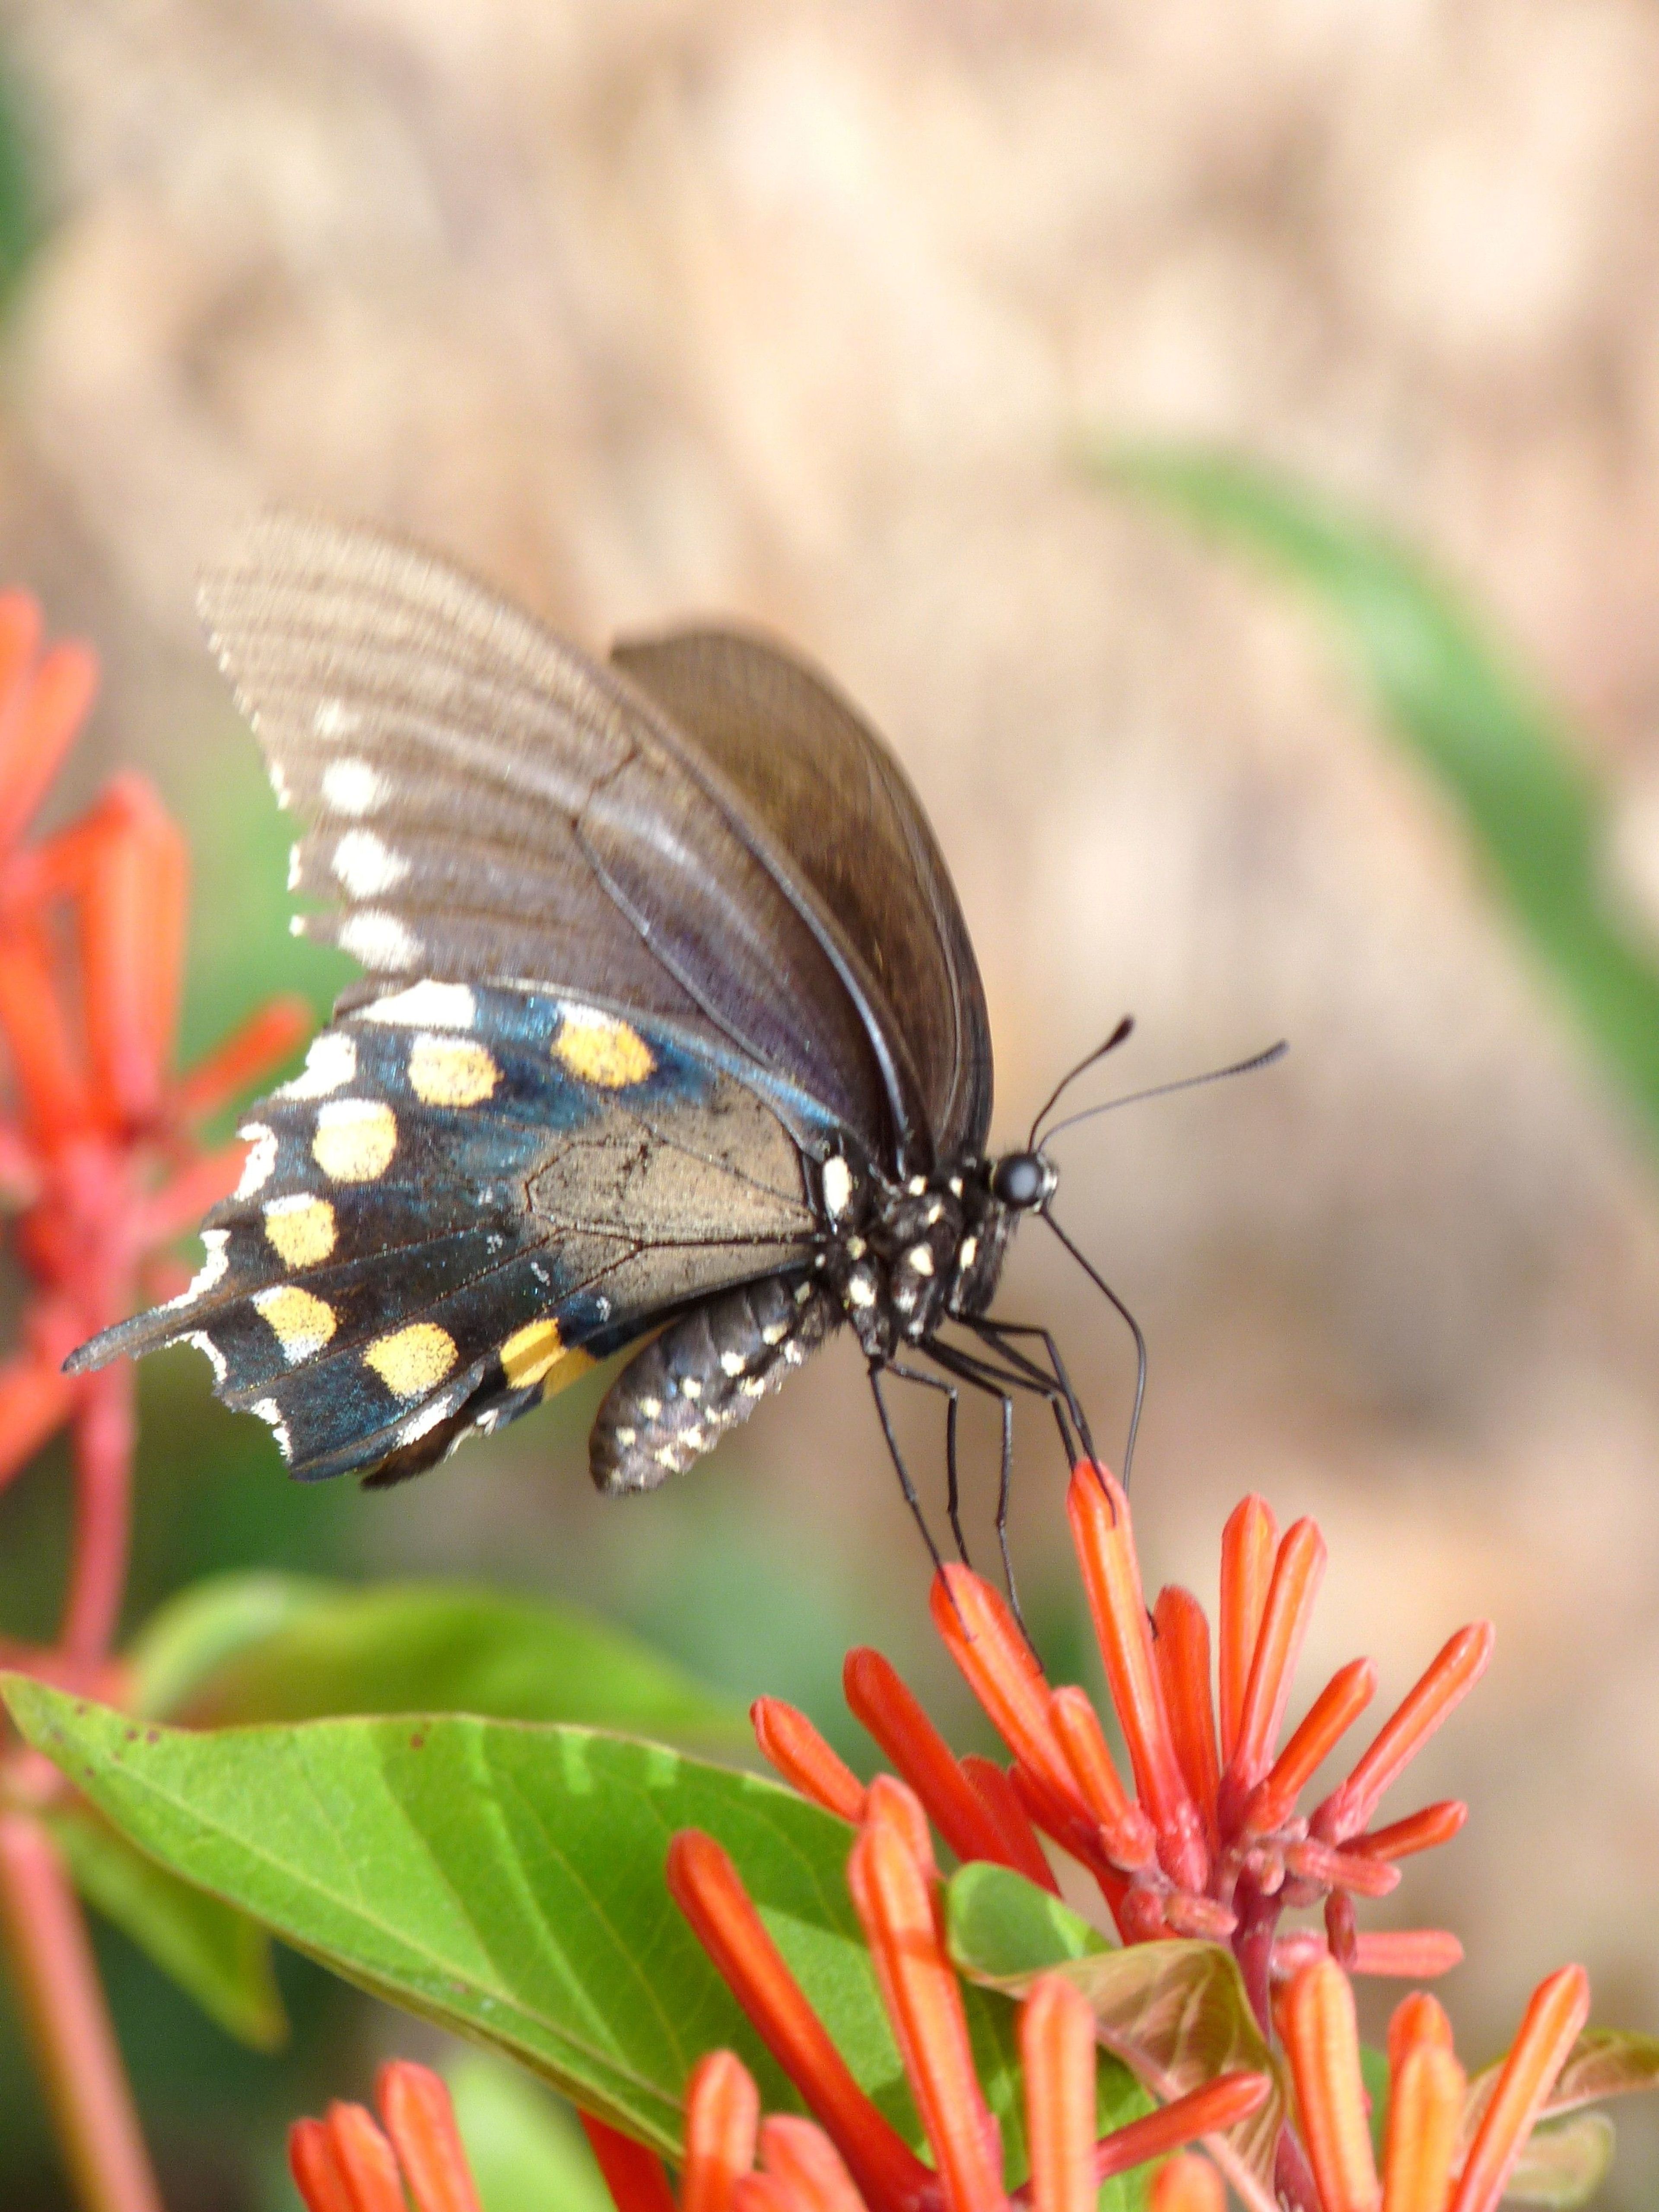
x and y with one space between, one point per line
672 1031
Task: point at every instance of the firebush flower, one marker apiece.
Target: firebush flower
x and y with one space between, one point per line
1426 2165
848 2158
1208 1843
100 1158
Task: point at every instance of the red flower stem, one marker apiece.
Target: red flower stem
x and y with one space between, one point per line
103 1470
705 1885
1253 1947
62 2002
633 2175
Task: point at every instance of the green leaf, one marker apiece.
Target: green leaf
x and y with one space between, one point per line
216 1954
526 2150
1176 2014
504 1880
259 1647
1562 2166
1526 789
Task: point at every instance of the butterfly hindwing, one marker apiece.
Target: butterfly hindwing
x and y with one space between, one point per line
470 1193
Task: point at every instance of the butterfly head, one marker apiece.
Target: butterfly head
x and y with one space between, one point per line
1024 1181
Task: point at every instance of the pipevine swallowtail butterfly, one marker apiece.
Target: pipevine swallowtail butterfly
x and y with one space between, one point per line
672 1030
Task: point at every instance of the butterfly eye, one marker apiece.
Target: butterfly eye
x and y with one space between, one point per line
1023 1180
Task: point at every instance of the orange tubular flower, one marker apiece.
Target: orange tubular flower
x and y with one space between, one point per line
852 2160
1426 2086
97 1151
1208 1841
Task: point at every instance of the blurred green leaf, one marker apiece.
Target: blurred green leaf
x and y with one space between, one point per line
505 1881
1527 793
1373 2072
1176 2014
526 2150
19 222
247 1648
214 1952
1562 2166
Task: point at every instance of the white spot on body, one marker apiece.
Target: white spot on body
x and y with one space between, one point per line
935 1211
651 1407
334 719
732 1362
803 1291
353 787
919 1258
261 1159
330 1064
967 1253
916 1185
365 865
774 1332
427 1005
861 1288
626 1437
378 939
955 1186
856 1248
755 1387
837 1186
691 1387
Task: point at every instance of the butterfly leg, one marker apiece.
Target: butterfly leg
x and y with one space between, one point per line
902 1472
994 1332
952 1493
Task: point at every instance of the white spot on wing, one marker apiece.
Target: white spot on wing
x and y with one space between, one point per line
378 939
732 1362
214 1242
334 719
365 864
204 1343
427 1005
353 787
330 1063
294 867
271 1413
261 1159
278 782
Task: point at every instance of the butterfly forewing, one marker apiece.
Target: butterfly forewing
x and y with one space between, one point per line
468 1193
487 802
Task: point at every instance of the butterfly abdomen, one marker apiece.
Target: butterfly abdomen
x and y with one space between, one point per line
707 1372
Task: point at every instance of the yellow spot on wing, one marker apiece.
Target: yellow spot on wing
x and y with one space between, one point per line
534 1350
450 1071
354 1141
601 1049
413 1360
300 1228
301 1324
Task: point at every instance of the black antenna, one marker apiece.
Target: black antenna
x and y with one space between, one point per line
1167 1090
1066 1082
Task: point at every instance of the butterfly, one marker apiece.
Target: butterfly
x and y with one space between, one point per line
670 1030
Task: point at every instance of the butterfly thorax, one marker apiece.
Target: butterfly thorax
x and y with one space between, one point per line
901 1258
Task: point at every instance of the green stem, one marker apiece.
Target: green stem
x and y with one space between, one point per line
62 2002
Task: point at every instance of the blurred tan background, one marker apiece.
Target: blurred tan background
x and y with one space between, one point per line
797 311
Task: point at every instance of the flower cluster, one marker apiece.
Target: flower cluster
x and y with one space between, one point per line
1210 1843
848 2157
100 1159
